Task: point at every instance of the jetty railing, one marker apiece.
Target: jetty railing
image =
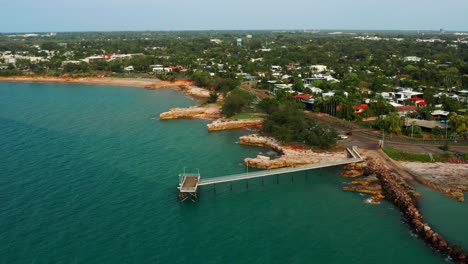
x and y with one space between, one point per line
189 182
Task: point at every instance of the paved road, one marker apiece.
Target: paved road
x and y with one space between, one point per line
372 143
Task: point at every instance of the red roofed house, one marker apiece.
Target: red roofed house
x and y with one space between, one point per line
360 108
406 109
303 96
418 101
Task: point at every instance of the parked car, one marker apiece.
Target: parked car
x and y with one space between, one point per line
341 136
349 133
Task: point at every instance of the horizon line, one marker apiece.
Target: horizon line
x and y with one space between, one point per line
224 30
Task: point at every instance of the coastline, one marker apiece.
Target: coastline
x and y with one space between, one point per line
184 85
133 82
438 239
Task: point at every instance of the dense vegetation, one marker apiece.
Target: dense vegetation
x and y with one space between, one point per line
289 123
365 63
236 101
359 63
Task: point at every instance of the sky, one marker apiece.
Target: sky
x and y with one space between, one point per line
123 15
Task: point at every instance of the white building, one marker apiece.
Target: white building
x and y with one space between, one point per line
284 87
407 94
313 89
276 68
318 68
320 77
412 59
216 41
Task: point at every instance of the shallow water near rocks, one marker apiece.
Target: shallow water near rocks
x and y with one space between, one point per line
89 175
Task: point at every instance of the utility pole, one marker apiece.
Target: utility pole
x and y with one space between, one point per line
446 128
383 137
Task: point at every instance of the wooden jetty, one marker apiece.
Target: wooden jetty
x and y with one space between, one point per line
189 182
188 185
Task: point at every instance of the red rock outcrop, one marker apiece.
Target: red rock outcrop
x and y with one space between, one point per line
226 124
210 111
290 155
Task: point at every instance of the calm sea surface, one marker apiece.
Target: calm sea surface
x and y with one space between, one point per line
89 175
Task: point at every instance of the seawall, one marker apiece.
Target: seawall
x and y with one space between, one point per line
407 204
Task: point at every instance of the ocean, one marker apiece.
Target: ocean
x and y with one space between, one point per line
88 174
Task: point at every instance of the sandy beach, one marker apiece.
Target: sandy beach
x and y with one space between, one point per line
184 85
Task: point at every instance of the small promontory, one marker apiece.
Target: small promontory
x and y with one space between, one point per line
227 124
209 111
290 155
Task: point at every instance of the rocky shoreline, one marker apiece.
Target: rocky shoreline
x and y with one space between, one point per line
209 111
447 178
227 124
290 155
401 197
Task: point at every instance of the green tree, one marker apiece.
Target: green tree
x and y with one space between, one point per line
236 101
395 122
269 105
458 123
391 123
290 124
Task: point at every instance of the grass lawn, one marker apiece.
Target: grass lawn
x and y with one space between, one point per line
405 156
245 115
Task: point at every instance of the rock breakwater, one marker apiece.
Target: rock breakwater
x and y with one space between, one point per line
400 197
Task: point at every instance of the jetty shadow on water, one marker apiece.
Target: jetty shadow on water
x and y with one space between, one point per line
288 181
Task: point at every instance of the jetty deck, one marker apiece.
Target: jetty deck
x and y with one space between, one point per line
189 183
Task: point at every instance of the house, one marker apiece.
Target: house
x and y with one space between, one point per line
303 96
70 62
405 110
440 115
424 124
92 59
276 68
313 89
412 59
160 69
216 41
11 59
320 77
463 92
420 102
406 94
318 68
359 109
284 87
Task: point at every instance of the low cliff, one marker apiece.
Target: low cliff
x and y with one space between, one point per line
290 155
211 111
226 124
195 91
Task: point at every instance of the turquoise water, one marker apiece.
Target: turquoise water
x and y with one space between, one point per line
88 175
445 215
